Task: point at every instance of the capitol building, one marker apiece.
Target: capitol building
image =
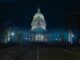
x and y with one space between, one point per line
38 27
38 32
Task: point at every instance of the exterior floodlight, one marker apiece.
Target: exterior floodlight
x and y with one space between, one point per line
72 35
12 34
56 39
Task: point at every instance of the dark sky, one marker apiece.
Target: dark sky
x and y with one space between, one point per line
57 13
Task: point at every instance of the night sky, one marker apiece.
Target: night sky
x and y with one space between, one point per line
58 13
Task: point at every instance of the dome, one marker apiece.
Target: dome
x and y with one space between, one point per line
38 15
38 21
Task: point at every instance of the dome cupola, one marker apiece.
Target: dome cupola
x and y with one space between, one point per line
38 15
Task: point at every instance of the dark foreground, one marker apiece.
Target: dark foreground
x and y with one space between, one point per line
19 52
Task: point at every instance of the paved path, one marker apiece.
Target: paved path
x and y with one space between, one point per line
38 53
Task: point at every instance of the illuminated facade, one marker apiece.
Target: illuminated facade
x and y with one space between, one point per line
38 27
38 32
38 21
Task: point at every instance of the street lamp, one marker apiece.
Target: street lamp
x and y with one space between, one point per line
12 33
72 35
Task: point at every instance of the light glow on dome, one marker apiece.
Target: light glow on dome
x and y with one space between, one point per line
38 21
38 15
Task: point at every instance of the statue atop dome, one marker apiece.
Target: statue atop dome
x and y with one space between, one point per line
38 10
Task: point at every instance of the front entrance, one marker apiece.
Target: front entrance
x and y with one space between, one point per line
39 37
